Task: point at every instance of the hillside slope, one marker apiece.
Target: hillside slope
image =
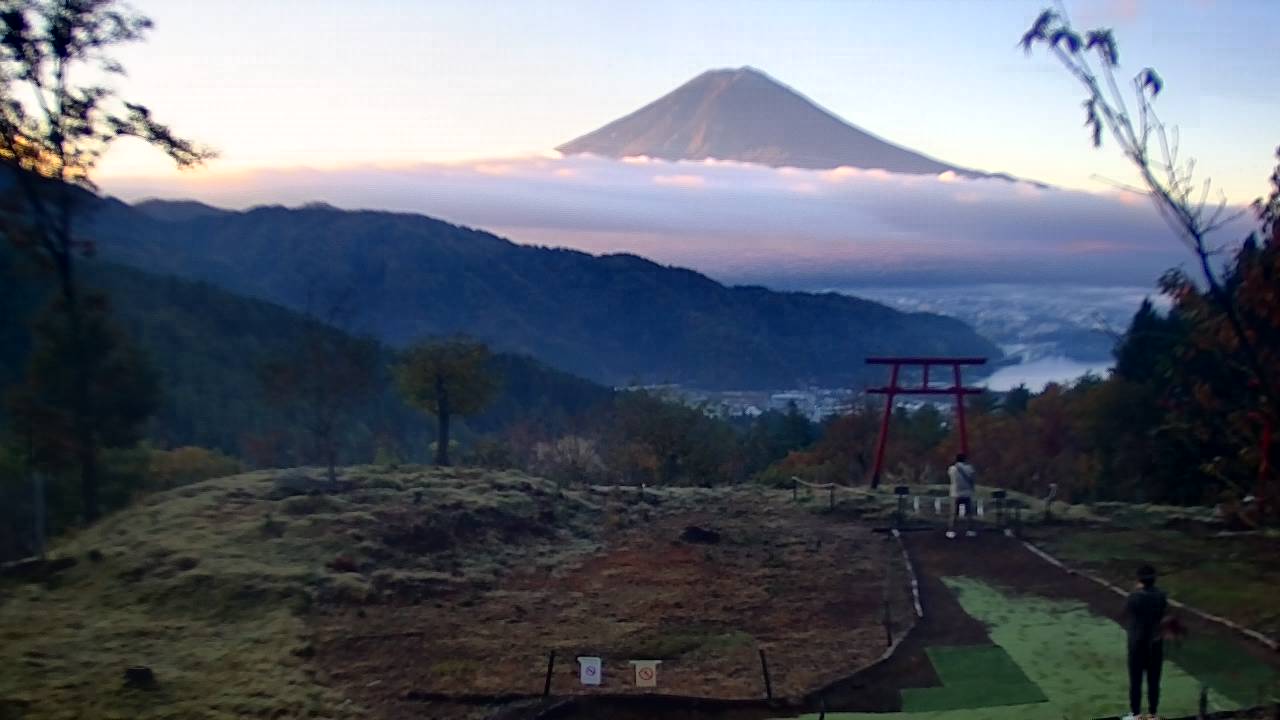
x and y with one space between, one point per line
211 586
614 319
209 345
405 592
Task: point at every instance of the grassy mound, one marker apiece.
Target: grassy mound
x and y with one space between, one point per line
209 585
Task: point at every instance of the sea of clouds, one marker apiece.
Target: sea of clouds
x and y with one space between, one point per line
742 223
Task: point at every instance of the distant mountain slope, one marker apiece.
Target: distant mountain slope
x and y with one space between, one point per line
614 319
176 210
208 346
747 116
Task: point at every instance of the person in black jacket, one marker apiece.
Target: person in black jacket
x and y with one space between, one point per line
1144 612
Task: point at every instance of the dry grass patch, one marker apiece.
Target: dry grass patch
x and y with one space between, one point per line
211 585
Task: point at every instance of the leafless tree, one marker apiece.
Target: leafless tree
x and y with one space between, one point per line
325 376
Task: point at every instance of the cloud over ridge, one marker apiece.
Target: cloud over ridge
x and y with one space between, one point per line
747 223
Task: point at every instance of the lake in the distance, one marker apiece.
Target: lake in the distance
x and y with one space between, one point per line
1038 373
1060 332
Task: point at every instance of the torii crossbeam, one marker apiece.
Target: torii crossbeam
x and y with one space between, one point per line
890 392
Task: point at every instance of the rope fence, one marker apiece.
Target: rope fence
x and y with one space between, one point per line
797 483
997 509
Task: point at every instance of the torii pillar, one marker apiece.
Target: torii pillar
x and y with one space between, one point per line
893 389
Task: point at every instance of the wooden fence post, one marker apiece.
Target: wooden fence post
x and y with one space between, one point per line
551 664
768 683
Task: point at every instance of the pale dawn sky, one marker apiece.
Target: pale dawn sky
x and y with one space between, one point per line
289 84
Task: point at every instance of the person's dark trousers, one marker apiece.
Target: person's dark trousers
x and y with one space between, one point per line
1145 660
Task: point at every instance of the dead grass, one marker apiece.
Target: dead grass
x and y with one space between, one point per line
211 586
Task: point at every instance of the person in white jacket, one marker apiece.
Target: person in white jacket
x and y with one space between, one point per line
964 484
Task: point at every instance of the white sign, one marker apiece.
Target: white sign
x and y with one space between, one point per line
590 672
646 672
979 508
937 506
964 508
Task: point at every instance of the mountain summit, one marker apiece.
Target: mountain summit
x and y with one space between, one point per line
745 115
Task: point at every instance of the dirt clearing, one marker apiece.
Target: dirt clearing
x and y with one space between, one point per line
783 578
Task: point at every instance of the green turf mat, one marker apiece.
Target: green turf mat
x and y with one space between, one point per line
1226 670
1076 658
973 677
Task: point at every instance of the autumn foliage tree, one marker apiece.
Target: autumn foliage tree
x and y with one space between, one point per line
841 454
657 440
1220 392
1213 302
58 115
447 378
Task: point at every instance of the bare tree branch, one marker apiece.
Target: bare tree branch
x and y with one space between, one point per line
1171 194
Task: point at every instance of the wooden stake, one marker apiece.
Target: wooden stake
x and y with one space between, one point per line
551 665
768 683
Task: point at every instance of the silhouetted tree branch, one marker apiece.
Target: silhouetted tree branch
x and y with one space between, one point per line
1093 59
54 128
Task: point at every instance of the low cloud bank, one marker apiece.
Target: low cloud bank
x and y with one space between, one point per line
745 223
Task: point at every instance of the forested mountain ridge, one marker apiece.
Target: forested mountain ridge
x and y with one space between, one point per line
208 347
614 319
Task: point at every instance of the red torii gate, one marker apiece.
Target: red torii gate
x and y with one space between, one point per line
957 389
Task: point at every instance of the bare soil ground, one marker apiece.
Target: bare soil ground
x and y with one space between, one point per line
802 586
